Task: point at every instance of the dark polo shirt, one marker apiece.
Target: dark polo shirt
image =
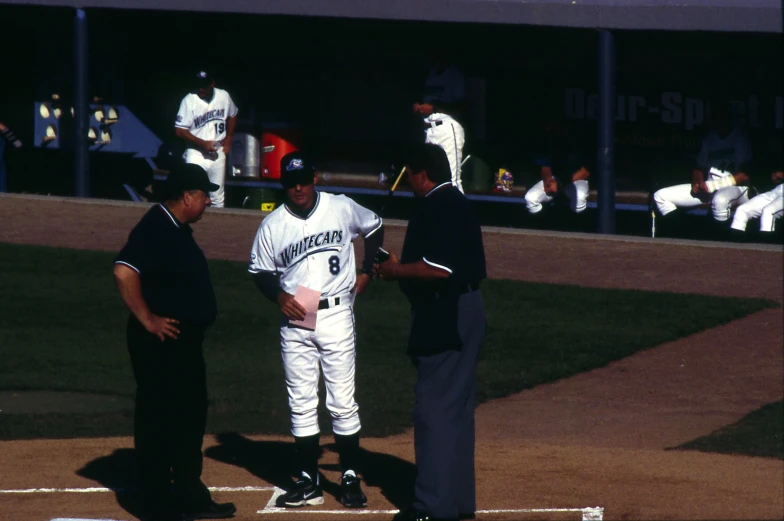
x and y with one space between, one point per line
174 275
444 232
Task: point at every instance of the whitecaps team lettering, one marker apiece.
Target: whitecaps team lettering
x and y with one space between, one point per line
208 116
291 252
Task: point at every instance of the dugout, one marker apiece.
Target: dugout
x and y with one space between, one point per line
595 22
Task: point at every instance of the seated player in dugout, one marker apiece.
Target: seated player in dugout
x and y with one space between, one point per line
562 169
768 207
720 176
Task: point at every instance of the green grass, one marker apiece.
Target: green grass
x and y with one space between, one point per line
760 433
62 327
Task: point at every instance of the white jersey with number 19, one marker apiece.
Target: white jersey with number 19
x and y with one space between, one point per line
206 119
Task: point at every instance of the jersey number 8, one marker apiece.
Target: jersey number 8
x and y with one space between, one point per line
334 265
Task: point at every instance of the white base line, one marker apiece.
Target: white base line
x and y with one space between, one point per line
90 490
277 510
588 513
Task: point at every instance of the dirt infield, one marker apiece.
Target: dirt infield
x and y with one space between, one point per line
596 439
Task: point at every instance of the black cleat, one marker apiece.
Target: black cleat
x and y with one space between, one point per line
305 492
351 495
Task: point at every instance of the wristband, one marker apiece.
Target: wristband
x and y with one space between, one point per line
721 182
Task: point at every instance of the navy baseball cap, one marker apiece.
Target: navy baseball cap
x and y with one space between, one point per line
296 169
202 78
188 176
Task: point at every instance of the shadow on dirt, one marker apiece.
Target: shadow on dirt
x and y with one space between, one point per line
117 472
272 462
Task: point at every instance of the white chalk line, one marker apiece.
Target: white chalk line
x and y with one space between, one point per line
90 490
277 510
588 513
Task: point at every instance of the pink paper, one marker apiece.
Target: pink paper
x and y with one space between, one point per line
309 299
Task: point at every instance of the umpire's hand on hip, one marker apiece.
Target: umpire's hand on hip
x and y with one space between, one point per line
161 327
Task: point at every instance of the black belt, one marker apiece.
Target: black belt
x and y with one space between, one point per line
329 302
468 288
460 289
433 123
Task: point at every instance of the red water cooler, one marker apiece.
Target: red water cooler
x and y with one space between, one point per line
276 143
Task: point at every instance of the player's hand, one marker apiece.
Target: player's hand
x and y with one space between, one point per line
741 178
423 108
387 270
363 279
290 307
226 147
551 186
581 175
699 188
162 327
209 146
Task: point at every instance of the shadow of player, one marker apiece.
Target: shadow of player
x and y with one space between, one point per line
273 462
117 472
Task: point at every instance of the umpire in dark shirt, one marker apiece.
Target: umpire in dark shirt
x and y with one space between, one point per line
440 269
163 278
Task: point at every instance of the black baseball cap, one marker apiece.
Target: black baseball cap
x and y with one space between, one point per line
296 169
188 176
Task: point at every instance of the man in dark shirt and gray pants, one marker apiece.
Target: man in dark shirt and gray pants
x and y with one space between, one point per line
163 278
440 269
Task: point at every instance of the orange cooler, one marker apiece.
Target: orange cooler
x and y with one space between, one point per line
274 145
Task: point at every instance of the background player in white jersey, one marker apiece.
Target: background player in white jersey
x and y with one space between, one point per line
718 177
561 168
206 122
768 206
308 242
442 105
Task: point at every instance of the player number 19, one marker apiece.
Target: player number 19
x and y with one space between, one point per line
219 128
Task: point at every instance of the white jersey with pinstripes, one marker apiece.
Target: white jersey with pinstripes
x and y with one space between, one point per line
315 251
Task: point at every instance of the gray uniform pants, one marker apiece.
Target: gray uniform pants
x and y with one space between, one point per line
444 418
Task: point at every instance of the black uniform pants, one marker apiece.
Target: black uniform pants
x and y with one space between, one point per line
444 419
170 415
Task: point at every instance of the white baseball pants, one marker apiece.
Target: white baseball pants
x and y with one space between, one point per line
768 206
216 171
577 192
332 348
443 130
679 196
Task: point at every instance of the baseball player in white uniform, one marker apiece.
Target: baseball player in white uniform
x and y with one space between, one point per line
725 151
768 206
443 99
562 170
308 242
206 122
